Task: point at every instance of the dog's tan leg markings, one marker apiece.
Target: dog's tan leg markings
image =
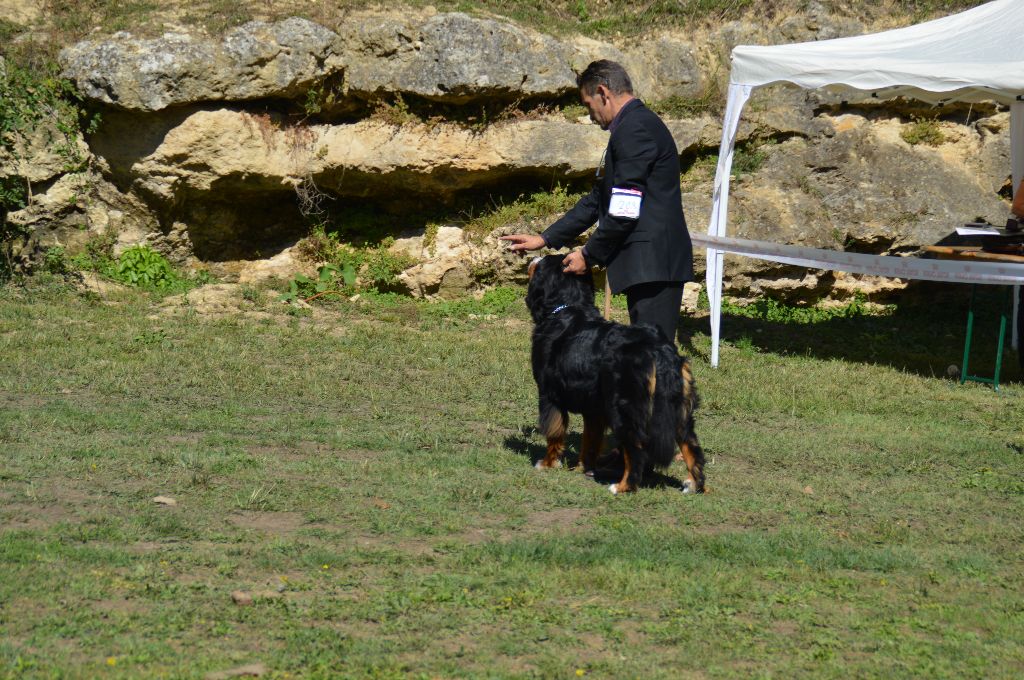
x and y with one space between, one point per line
554 429
624 486
689 450
686 455
593 442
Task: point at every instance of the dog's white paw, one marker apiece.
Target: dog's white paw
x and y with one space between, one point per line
614 488
688 486
541 466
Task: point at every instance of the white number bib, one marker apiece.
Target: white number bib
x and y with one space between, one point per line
625 203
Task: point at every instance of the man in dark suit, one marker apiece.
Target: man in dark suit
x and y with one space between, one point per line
641 235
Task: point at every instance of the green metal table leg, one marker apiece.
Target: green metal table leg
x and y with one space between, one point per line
1003 315
999 347
970 333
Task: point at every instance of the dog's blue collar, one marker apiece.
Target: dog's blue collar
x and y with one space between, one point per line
559 308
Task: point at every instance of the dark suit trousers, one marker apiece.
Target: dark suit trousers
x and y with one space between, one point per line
657 304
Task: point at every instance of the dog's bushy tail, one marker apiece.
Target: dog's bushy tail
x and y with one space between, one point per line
668 408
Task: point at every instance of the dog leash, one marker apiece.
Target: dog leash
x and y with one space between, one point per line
607 298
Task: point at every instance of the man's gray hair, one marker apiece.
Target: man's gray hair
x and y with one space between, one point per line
604 72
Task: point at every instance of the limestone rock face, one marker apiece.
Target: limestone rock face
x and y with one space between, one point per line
860 187
77 206
255 61
231 176
228 150
453 58
450 262
662 67
40 154
210 148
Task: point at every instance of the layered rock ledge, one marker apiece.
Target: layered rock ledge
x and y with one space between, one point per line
208 145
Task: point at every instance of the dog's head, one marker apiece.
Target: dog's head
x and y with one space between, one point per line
551 288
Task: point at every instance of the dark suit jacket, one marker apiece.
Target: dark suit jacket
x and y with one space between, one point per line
642 155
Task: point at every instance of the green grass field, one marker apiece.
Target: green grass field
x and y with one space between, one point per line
363 472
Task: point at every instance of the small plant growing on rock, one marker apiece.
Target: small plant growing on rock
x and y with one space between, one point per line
98 255
55 261
319 246
923 131
748 159
331 278
395 112
430 237
381 267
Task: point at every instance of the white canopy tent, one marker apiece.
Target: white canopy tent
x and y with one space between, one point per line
976 55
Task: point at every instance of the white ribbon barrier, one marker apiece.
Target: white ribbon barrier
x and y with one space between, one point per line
955 271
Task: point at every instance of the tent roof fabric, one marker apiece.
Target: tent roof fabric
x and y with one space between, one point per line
976 55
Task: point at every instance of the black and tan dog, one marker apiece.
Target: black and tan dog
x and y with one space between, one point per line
626 378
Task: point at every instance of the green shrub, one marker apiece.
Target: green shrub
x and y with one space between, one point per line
684 107
574 112
144 267
55 260
12 193
381 267
375 267
320 246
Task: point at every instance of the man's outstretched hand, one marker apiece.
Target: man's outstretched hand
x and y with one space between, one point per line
524 242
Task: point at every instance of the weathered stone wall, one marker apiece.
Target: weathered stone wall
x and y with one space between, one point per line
207 143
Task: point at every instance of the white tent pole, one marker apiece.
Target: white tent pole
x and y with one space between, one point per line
738 96
1017 169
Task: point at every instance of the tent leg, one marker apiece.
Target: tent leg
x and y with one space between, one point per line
715 298
737 97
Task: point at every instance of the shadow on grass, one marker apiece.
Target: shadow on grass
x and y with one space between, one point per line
924 336
609 467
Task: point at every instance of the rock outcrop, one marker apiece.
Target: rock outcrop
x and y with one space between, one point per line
210 146
255 61
451 58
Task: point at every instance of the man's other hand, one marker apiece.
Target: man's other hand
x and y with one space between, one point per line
524 242
574 263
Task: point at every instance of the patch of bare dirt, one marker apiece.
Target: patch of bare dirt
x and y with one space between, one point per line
410 546
33 516
561 518
185 438
785 628
45 507
119 606
25 401
273 523
355 455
